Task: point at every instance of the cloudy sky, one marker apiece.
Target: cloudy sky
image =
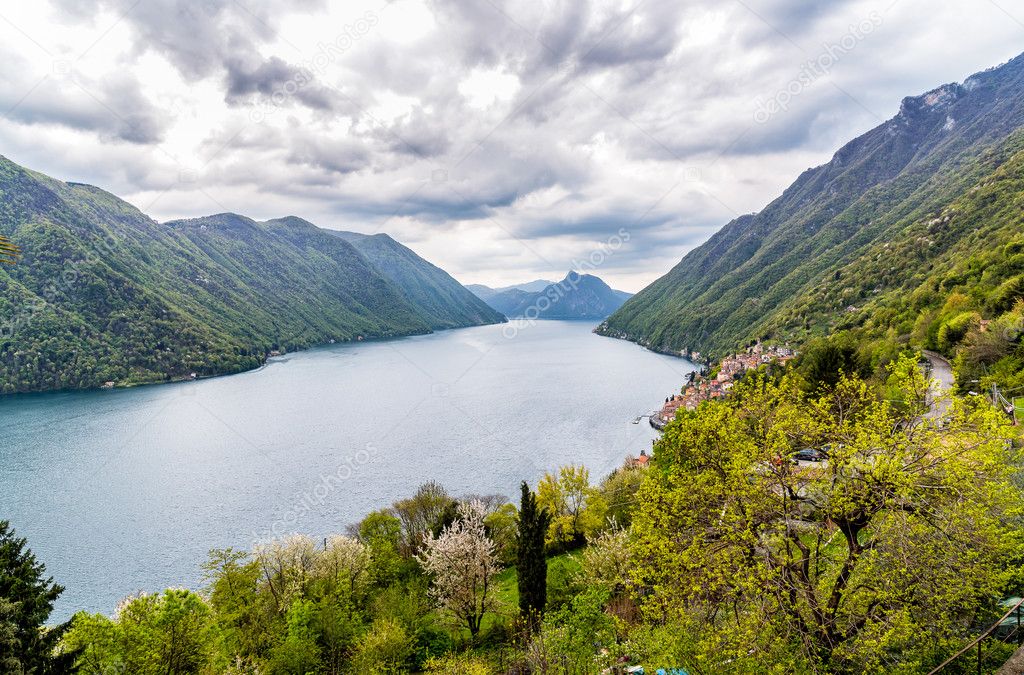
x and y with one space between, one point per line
504 140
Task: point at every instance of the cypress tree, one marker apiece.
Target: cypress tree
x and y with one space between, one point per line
531 562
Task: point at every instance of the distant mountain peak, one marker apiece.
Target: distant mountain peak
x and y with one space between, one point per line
577 296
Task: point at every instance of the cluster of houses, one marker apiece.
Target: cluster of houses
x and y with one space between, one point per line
702 388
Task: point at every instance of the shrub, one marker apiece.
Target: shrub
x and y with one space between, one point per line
385 648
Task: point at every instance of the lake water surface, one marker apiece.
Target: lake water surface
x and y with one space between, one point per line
126 490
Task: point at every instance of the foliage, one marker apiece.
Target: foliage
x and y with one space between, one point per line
577 509
902 539
531 560
422 514
460 664
503 529
608 562
618 491
824 362
169 633
26 600
462 564
102 293
382 533
384 649
572 638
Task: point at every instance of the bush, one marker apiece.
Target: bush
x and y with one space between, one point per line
461 664
386 648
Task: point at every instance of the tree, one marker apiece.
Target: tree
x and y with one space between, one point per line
531 561
825 361
382 533
345 563
166 634
577 509
287 566
233 588
618 491
503 529
888 552
421 514
462 563
26 601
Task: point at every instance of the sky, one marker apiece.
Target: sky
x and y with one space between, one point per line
502 140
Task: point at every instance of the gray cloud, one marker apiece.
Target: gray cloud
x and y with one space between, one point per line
113 108
480 124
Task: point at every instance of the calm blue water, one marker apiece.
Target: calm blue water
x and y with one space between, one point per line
127 490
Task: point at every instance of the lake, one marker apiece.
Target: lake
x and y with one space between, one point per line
121 491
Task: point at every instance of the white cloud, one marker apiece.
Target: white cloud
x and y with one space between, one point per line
502 140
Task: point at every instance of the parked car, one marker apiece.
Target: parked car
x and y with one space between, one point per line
810 455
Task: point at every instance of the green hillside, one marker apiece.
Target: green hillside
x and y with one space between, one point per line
103 293
440 299
785 272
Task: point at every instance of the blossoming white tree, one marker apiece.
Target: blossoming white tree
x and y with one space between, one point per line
345 561
462 564
286 564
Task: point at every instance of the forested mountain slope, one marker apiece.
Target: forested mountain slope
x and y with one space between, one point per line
103 293
440 299
758 275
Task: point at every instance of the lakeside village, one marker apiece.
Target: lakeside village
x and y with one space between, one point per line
703 387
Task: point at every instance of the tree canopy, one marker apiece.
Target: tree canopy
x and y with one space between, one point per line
865 562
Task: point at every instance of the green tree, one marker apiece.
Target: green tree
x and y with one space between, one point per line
244 617
873 561
952 332
825 361
422 514
503 528
382 533
577 509
171 633
531 560
298 653
26 601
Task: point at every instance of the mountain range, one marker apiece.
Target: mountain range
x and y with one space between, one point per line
577 296
105 294
486 292
884 233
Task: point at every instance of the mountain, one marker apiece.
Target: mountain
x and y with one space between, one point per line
486 292
784 272
578 296
103 293
436 296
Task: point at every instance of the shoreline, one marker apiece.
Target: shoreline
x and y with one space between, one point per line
264 362
604 331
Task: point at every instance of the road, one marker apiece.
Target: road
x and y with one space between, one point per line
942 381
